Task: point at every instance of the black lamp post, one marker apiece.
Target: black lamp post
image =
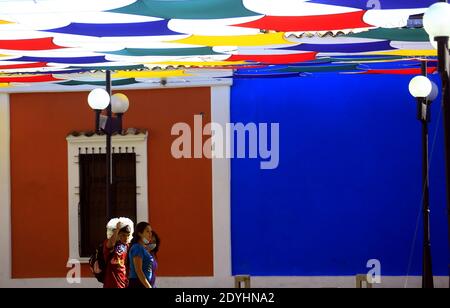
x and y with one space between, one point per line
109 132
436 21
100 100
421 88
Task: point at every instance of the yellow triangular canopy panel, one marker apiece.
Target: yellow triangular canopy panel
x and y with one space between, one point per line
150 74
240 40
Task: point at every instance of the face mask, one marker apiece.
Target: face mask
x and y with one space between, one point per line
146 241
152 246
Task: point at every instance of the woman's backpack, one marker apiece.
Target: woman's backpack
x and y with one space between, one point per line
97 264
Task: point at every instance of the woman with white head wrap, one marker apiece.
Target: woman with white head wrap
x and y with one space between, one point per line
115 252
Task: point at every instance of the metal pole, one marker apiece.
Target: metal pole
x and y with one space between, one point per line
97 120
427 273
427 269
108 152
119 120
444 70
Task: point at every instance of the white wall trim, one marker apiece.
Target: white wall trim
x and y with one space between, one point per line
256 282
52 88
139 142
221 183
5 192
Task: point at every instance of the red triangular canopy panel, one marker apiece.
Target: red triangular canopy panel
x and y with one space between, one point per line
403 71
353 20
29 44
276 59
40 78
25 65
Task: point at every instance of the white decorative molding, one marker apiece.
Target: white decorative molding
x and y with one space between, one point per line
139 143
347 282
221 185
5 191
52 88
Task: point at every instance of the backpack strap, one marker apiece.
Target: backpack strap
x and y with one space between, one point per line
110 255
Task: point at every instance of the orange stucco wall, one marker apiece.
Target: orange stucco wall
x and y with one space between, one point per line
180 191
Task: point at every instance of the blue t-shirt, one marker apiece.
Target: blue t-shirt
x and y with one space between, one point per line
137 250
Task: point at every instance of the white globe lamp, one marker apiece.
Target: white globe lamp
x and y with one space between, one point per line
434 92
420 87
120 103
98 99
436 20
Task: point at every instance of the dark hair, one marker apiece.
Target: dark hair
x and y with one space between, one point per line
157 242
140 228
125 229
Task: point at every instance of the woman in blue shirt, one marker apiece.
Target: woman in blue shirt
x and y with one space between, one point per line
153 249
141 260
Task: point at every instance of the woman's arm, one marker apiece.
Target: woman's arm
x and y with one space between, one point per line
113 239
137 261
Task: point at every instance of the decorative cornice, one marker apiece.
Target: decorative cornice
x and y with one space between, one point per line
127 135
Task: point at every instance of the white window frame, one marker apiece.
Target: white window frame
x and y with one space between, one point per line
74 143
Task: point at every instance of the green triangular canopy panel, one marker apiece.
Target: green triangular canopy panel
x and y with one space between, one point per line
366 59
320 68
110 68
193 9
166 52
399 34
121 82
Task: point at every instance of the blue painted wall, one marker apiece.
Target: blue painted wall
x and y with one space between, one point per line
348 187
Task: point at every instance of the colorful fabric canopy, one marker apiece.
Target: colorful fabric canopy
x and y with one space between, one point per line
353 20
241 40
153 28
27 79
22 66
29 44
402 34
166 52
276 59
142 40
404 71
344 48
68 60
116 83
192 9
